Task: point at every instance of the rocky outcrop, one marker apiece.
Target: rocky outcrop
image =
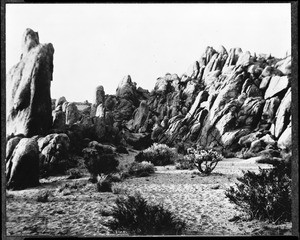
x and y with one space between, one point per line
28 89
223 99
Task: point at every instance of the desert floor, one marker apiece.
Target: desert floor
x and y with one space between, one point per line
75 208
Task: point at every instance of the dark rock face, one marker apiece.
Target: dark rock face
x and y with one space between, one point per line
22 166
28 89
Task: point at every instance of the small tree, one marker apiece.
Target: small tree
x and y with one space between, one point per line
205 160
99 164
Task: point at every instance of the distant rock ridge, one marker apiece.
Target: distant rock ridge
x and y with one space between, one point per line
222 98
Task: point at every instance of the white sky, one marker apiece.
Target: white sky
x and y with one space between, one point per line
98 44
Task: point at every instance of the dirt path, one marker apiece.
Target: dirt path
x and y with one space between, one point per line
77 209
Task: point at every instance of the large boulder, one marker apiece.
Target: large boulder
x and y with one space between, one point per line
28 100
22 167
53 155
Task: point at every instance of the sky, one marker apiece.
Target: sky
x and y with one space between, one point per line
99 44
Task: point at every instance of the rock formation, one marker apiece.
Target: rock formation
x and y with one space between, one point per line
223 98
28 89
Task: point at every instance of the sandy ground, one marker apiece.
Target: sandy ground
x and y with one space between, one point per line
79 210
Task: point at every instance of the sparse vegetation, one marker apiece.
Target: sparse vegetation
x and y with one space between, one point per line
136 216
158 154
266 195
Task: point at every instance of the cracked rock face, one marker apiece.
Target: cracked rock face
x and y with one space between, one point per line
28 89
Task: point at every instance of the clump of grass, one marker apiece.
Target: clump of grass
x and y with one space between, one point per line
136 216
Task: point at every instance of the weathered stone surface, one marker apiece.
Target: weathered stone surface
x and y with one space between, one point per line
265 83
59 120
285 65
53 149
277 84
244 59
285 140
110 102
100 111
60 101
100 95
28 100
11 145
100 127
246 140
72 114
139 117
228 139
22 168
124 110
283 114
270 108
126 88
250 112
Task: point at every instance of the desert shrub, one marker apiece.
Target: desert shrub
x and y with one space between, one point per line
266 195
74 173
186 162
104 184
142 169
134 215
43 196
158 154
97 163
205 160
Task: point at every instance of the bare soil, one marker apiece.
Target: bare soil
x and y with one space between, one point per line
75 208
